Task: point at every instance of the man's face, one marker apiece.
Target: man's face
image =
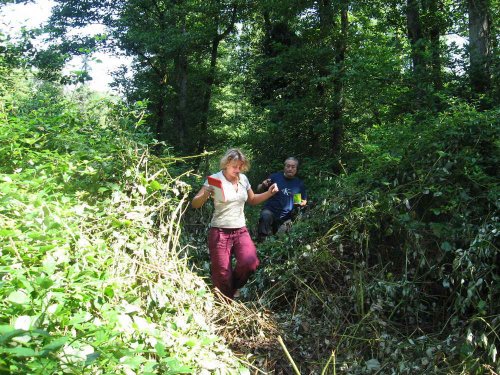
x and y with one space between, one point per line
290 169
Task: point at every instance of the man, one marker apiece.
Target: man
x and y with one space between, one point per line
279 208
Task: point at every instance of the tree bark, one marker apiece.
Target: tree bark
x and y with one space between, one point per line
207 96
414 30
210 80
326 27
479 45
181 83
160 130
434 36
338 83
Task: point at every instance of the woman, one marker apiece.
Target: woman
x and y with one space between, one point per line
228 234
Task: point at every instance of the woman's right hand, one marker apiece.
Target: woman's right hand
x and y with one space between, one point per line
202 196
209 191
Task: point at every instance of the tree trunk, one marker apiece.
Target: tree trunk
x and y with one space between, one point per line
327 24
415 36
479 47
338 83
267 35
210 80
181 83
160 130
206 98
434 36
420 80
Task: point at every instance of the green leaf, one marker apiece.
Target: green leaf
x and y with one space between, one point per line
160 349
44 282
191 342
134 362
11 334
7 233
19 297
155 185
4 328
446 246
91 358
20 352
54 345
109 291
176 367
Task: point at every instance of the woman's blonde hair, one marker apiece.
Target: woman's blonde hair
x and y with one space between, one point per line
234 154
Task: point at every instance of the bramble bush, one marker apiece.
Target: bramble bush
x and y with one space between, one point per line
396 267
91 277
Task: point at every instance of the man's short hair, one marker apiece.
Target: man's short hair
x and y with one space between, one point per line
292 159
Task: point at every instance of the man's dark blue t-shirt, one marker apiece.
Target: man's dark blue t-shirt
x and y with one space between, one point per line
281 204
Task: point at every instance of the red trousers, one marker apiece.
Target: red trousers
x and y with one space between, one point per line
223 244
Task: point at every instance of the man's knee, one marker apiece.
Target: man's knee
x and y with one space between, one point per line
266 216
265 227
285 227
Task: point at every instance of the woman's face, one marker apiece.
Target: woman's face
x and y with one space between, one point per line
233 169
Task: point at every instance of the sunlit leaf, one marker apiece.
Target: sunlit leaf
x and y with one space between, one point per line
19 297
19 352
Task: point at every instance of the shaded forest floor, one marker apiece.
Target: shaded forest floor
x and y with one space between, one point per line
395 268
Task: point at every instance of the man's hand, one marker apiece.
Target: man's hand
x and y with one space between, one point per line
266 183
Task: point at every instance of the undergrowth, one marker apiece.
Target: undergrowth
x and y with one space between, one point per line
92 280
395 268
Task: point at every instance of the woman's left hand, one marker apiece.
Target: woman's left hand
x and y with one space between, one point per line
273 189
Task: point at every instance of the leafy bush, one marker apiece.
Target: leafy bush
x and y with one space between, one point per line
91 278
397 265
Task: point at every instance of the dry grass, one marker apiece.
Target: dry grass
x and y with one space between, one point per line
250 331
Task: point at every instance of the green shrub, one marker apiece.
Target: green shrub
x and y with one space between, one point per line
405 247
92 277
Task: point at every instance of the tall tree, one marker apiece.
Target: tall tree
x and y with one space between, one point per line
426 22
435 30
479 45
340 56
415 35
419 58
172 44
217 36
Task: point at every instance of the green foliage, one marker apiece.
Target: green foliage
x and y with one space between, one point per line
397 265
166 42
92 280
